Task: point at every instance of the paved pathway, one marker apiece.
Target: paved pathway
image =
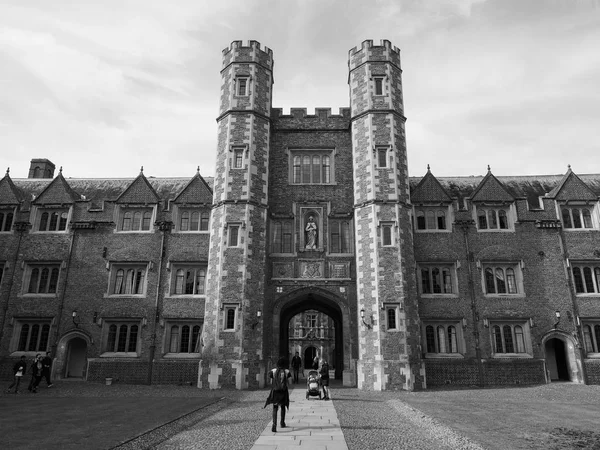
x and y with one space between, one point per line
311 423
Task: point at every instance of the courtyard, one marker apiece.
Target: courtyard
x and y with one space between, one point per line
94 416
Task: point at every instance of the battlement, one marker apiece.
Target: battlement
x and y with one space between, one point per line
369 52
238 52
321 119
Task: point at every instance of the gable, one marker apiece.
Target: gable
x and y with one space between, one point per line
491 190
139 192
429 190
58 192
196 191
572 188
9 194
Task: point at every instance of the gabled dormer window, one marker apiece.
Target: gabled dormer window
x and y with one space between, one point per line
577 217
135 219
51 219
6 219
432 218
494 218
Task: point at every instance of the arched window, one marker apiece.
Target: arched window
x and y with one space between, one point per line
137 220
306 169
482 219
511 281
133 333
587 277
441 339
179 281
146 220
44 278
498 339
435 275
127 221
490 286
587 218
441 220
53 221
119 282
452 344
33 340
430 338
62 224
195 221
576 219
112 339
297 170
430 219
230 319
34 281
566 216
185 339
578 280
508 339
503 220
421 225
519 339
204 220
391 318
185 221
316 169
174 344
44 221
53 280
122 344
326 170
500 282
23 337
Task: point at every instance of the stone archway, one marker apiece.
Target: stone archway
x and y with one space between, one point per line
561 356
321 300
71 355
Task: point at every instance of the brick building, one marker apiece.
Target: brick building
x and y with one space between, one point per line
413 281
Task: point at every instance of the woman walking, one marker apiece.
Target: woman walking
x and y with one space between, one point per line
279 395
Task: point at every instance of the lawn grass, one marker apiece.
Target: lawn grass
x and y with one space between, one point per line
557 416
90 423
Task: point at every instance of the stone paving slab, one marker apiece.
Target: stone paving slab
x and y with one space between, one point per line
311 424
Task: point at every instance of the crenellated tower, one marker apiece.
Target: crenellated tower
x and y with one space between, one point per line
385 263
232 333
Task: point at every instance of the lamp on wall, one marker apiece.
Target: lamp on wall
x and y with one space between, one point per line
362 316
258 316
557 314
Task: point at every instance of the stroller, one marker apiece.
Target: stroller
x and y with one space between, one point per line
313 384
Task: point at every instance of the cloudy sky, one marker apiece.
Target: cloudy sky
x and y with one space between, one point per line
104 87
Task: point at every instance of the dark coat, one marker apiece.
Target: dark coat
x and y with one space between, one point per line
18 365
281 398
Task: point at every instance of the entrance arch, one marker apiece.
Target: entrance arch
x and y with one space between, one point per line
71 355
321 300
562 363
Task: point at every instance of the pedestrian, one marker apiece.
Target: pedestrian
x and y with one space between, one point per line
324 372
296 363
279 395
19 370
47 368
316 362
36 373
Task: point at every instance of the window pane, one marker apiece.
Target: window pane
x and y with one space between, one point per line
33 337
576 219
53 281
23 337
194 221
195 341
200 281
435 277
335 237
119 282
189 282
441 336
430 337
316 169
326 170
306 169
587 278
597 337
421 220
174 342
44 278
345 237
587 218
490 286
378 86
566 215
230 323
185 221
425 281
382 157
297 171
391 318
447 281
33 281
185 339
498 340
277 237
452 347
387 235
112 339
44 338
233 236
520 341
597 275
492 220
441 220
204 219
139 282
482 220
62 225
511 281
137 220
508 339
503 219
44 222
430 220
287 237
133 334
578 279
53 222
500 283
127 221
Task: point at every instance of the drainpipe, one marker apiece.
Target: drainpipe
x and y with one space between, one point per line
20 227
464 225
63 292
163 226
578 327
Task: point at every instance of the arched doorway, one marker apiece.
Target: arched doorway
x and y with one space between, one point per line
556 360
309 355
76 358
326 303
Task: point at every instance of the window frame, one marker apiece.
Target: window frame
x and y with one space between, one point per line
445 325
229 316
124 210
188 212
282 237
582 282
383 154
43 215
41 266
590 329
494 266
430 218
16 339
238 154
5 213
493 212
581 218
387 309
441 266
512 324
118 323
238 85
303 171
379 81
238 234
387 227
168 338
176 267
341 235
113 278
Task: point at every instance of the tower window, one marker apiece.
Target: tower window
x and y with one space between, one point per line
382 157
378 81
242 86
238 158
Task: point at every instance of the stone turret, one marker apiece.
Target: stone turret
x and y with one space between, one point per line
385 261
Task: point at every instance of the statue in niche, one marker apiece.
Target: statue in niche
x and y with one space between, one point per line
311 234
